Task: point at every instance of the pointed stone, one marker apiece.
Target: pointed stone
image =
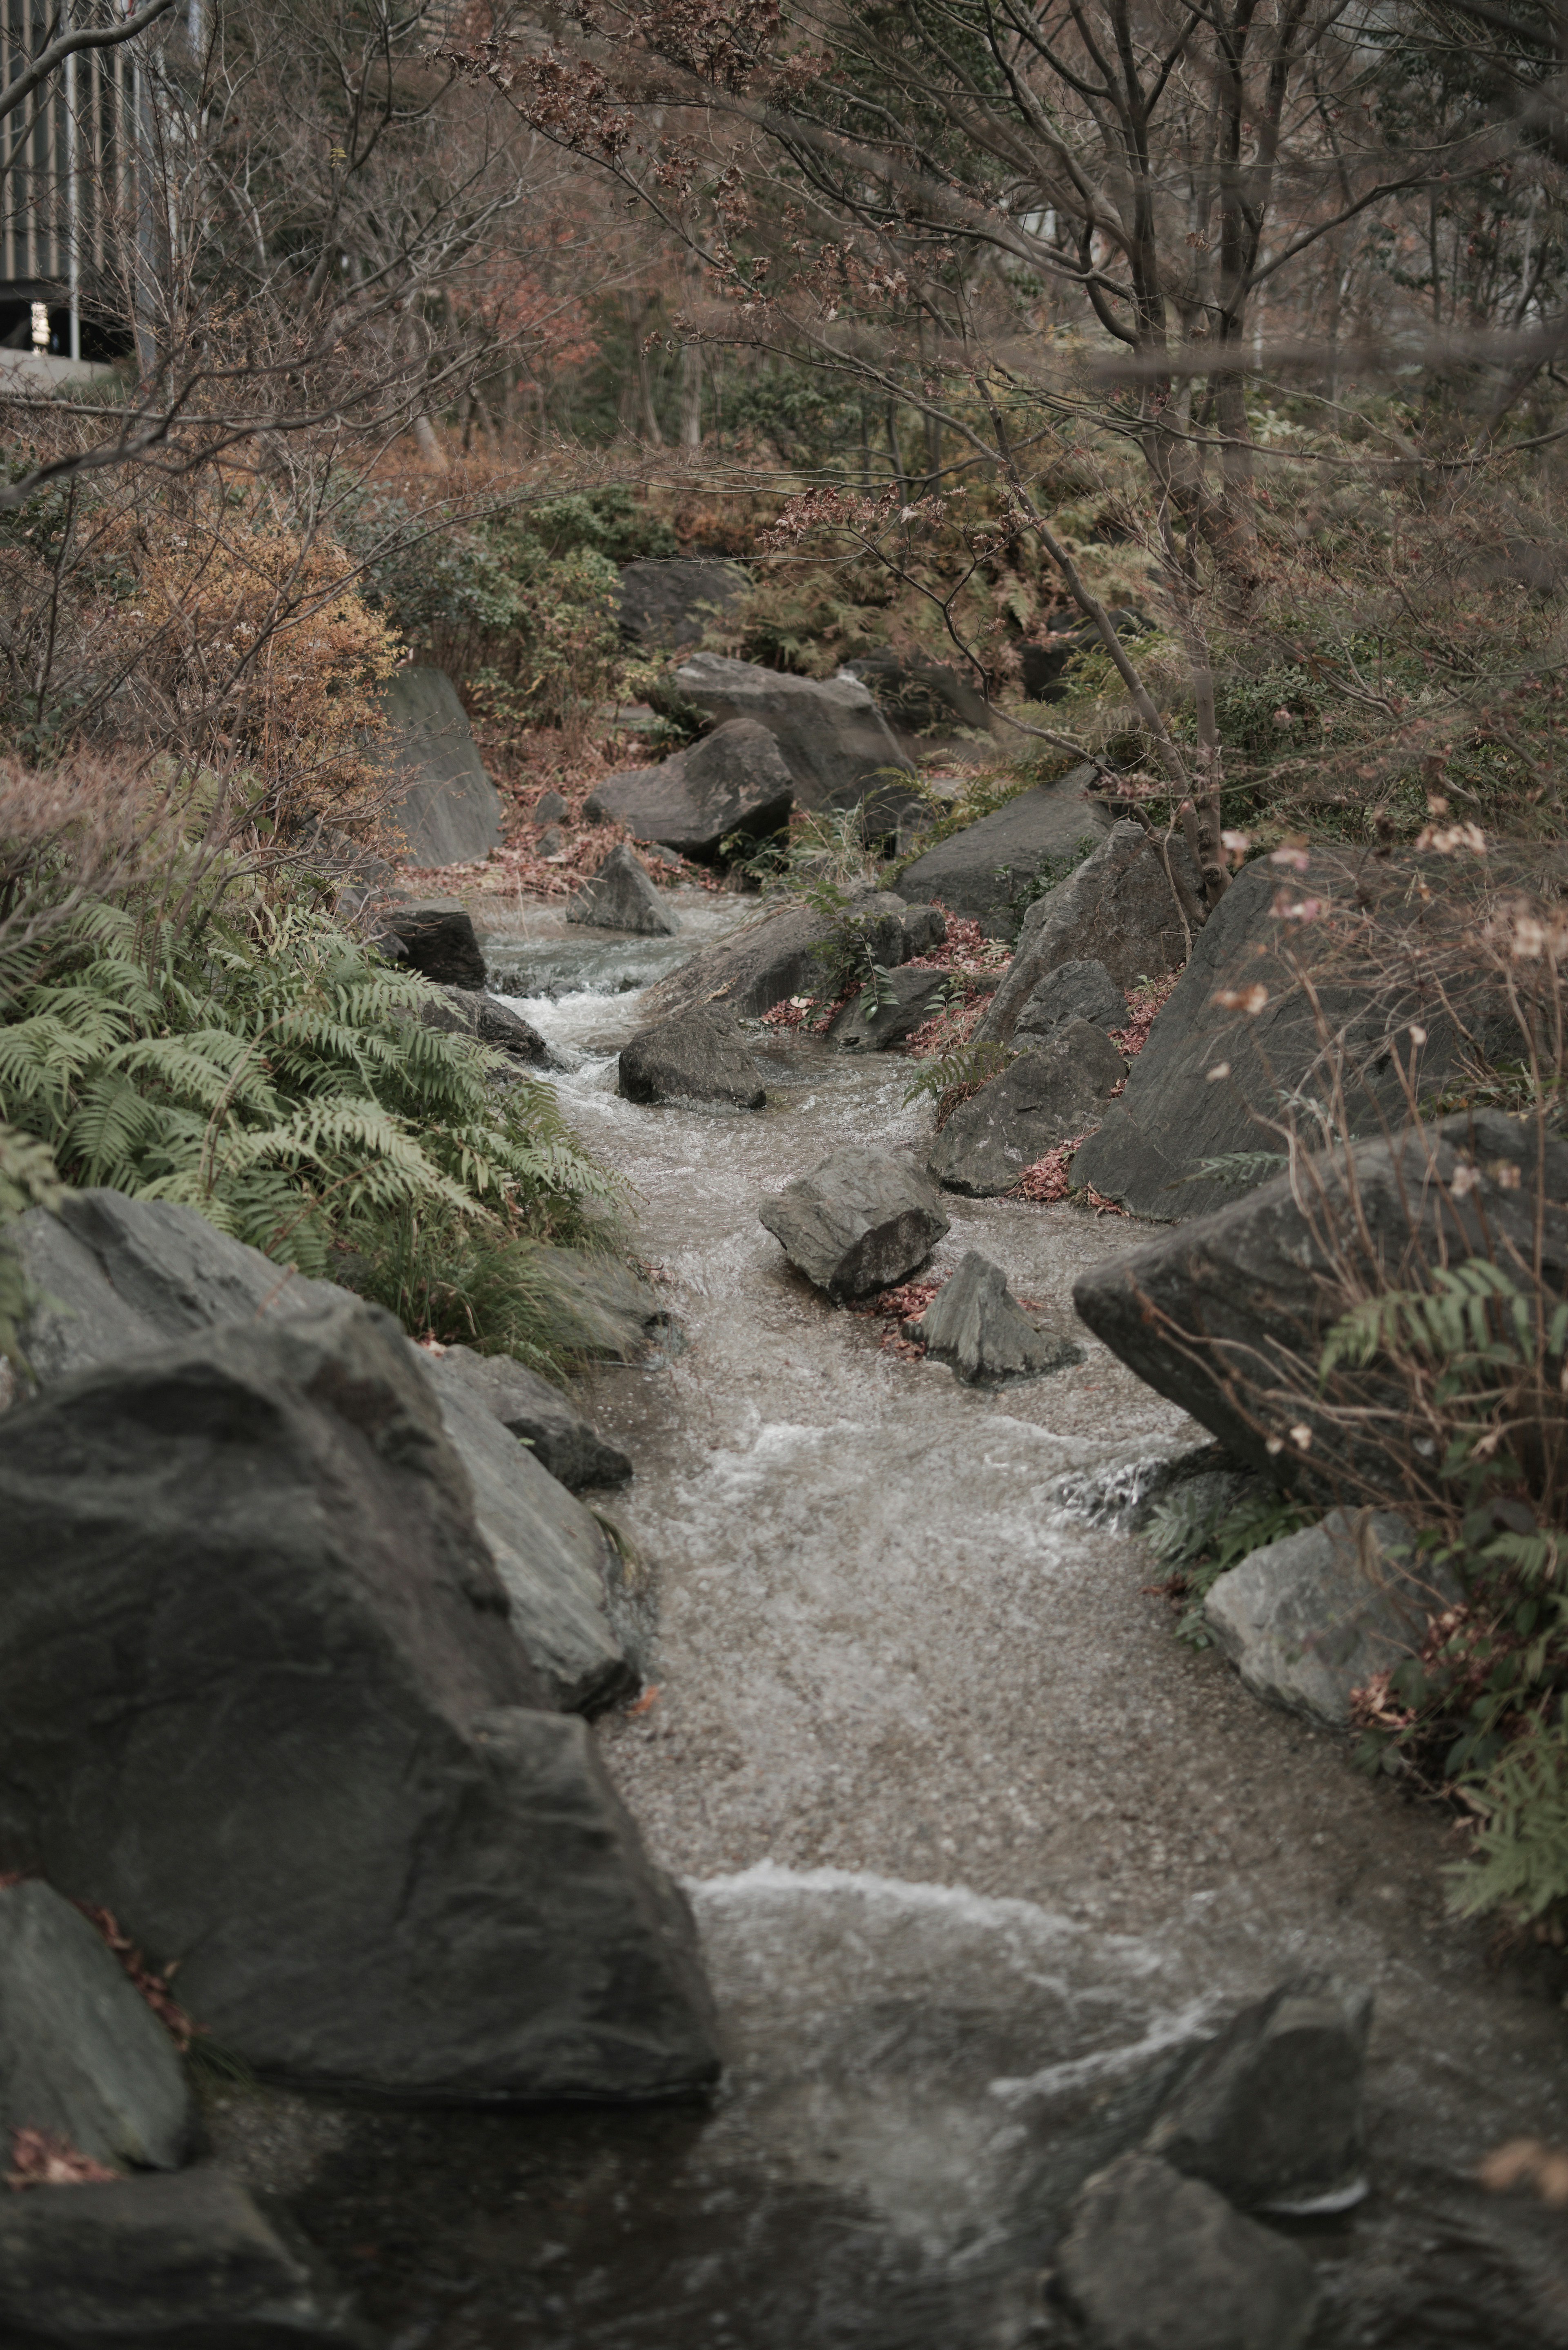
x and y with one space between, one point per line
860 1222
976 1323
621 897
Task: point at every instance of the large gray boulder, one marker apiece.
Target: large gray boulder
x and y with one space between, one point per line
976 1323
540 1417
667 601
1227 1314
621 897
988 871
735 780
186 2263
437 939
1045 1097
918 694
474 1012
1310 1618
835 741
1132 906
696 1057
1080 990
1153 2261
82 2055
859 1223
260 1697
1272 2111
445 805
902 1000
799 951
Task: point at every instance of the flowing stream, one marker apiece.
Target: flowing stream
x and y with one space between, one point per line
970 1837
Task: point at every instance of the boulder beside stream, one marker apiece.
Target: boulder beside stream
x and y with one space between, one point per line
621 897
541 1417
733 782
861 1221
695 1056
1047 1096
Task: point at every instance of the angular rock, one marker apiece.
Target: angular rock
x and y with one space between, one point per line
1271 2114
697 1056
924 929
1310 1618
474 1012
81 2053
1131 906
797 952
835 741
611 1313
1244 1298
919 694
1080 990
904 999
859 1223
552 842
1047 1096
989 870
734 781
1157 2262
550 808
1042 666
666 603
260 1697
186 2263
542 1417
976 1323
551 1553
621 897
446 805
438 941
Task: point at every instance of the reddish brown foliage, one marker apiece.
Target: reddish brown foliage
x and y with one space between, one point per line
41 2159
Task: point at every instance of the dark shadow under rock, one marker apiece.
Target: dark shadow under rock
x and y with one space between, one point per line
540 1416
976 1323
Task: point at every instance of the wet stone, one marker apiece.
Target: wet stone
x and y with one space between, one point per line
1046 1097
698 1056
621 897
861 1221
541 1417
976 1323
900 1002
438 941
474 1012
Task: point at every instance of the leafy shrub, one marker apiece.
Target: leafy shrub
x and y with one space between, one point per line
28 1179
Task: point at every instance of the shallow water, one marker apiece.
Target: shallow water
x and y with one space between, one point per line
970 1837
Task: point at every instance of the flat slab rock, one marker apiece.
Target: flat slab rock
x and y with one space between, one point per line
188 2262
735 780
1309 1620
976 1323
81 2053
1046 1097
621 897
446 806
1133 905
541 1417
987 870
861 1221
696 1057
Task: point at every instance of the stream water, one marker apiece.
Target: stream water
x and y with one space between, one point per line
969 1836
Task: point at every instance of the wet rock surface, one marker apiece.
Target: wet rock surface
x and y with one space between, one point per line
541 1417
474 1012
1133 905
797 952
1079 990
860 1222
835 741
1047 1096
621 897
438 941
696 1057
988 869
976 1323
733 782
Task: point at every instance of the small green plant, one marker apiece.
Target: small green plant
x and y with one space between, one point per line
1519 1862
951 1076
1206 1528
1031 888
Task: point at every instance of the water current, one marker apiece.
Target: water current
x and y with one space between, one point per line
970 1837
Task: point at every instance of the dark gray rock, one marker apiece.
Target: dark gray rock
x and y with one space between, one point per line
1044 667
611 1312
259 1695
550 808
438 941
81 2053
697 1056
976 1323
621 897
541 1417
1156 2261
1131 906
860 1222
1270 2113
924 929
474 1012
920 694
1046 1097
904 999
666 602
799 951
173 2263
446 805
1241 1300
1079 990
551 841
1308 1619
988 871
835 741
734 781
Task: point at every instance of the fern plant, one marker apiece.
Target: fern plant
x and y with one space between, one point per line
28 1179
1202 1531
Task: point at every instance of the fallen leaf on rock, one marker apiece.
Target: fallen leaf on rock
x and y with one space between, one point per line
40 2157
650 1698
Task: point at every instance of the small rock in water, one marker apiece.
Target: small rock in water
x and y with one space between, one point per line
474 1012
1079 990
1270 2113
976 1323
693 1057
550 808
1157 2262
862 1220
621 897
903 999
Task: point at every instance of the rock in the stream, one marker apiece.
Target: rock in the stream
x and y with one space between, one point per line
1246 1296
539 1416
987 868
438 941
1047 1096
260 1697
1310 1618
1131 906
1080 990
666 602
835 741
621 897
447 805
903 1000
976 1323
610 1312
474 1012
734 781
1157 2262
186 2263
792 952
860 1222
82 2055
1271 2112
697 1056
